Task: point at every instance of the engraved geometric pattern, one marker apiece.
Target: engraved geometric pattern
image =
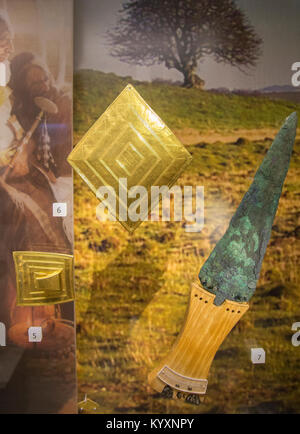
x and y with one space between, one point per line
181 382
129 141
43 278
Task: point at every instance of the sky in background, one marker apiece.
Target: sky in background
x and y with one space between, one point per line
277 22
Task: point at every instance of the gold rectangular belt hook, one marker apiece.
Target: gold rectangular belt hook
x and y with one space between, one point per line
43 278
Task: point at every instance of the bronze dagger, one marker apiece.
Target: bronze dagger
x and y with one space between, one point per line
228 278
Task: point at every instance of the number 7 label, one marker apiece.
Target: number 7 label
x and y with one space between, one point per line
258 355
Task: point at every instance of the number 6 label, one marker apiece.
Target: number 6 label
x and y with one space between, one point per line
60 209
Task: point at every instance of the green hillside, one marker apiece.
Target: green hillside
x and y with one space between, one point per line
177 106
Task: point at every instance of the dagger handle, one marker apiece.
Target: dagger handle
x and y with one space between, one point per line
185 369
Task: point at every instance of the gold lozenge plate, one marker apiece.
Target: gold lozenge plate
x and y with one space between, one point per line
129 141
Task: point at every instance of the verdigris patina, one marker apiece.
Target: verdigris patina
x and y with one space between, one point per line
233 268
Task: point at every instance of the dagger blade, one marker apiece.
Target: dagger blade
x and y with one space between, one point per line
232 269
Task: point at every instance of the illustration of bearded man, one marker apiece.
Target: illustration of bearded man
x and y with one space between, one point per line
7 203
27 186
6 134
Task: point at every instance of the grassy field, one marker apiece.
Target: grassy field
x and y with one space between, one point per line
180 108
132 290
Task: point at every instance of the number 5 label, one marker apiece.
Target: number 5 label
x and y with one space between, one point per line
35 334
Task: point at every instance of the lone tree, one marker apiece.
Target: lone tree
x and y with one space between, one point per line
179 33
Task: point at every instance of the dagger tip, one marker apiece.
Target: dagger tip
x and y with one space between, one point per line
292 120
293 115
233 268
